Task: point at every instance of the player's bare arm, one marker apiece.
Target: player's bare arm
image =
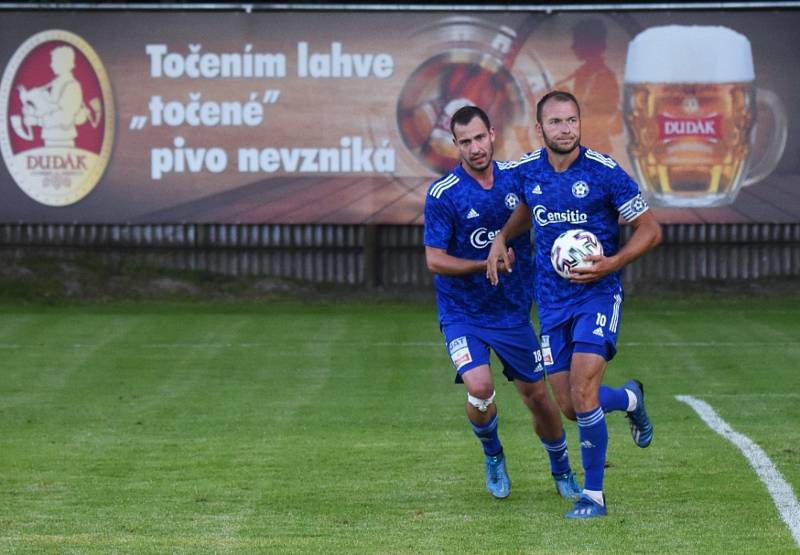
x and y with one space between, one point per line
439 262
646 236
498 259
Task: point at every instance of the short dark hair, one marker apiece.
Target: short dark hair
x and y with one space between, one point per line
561 96
466 114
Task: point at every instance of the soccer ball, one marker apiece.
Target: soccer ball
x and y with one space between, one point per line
569 249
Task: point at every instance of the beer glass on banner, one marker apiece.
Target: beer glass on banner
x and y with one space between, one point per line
690 106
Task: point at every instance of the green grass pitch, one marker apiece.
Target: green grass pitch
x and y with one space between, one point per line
334 427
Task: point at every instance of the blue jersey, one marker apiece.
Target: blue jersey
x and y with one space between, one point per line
591 194
462 218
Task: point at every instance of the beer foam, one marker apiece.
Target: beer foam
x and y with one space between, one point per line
689 54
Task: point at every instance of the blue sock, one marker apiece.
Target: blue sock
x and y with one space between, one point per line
488 436
613 398
593 435
557 450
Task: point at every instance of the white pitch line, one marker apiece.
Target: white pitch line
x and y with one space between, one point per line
777 486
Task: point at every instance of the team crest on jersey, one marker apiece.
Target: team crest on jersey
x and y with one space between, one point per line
580 189
512 201
55 96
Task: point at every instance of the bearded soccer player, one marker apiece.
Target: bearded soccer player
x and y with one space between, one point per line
569 186
463 211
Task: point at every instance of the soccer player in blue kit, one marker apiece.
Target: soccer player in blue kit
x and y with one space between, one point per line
569 186
463 211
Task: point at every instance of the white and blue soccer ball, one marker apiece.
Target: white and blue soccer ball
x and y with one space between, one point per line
569 249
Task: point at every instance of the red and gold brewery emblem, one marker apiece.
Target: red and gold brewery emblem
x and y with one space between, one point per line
56 103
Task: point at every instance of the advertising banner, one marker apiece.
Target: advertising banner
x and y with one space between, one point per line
343 117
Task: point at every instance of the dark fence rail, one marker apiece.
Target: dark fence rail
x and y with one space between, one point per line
389 255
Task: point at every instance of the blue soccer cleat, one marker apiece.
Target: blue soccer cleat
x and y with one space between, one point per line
586 507
497 481
641 427
567 486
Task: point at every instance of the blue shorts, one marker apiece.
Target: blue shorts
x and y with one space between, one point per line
591 326
517 348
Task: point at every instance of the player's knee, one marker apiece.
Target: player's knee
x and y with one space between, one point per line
565 404
482 403
479 386
583 397
536 396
